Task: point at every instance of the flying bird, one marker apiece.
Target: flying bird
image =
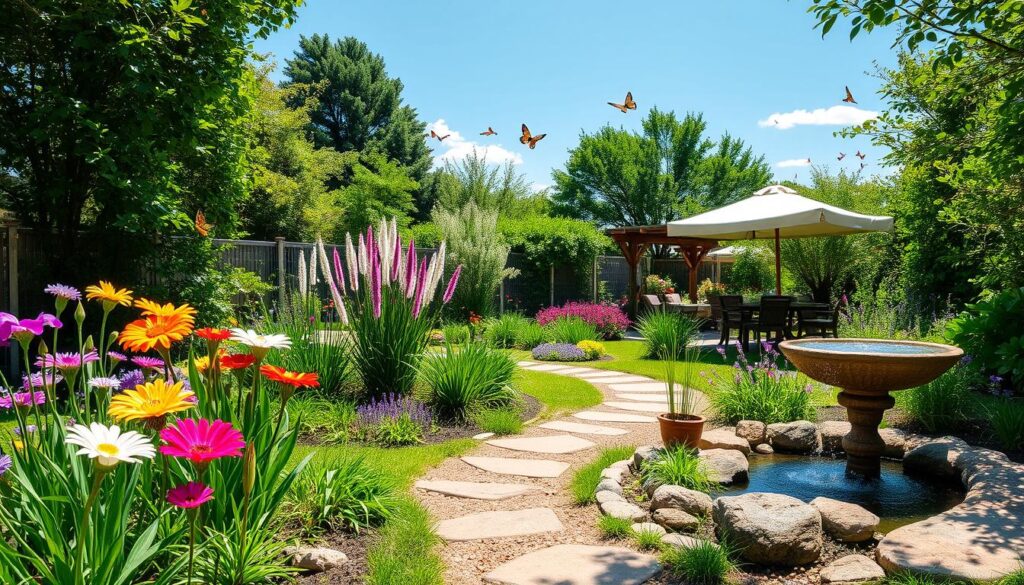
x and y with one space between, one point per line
862 165
438 136
849 96
808 161
629 104
201 225
841 156
490 132
530 139
861 156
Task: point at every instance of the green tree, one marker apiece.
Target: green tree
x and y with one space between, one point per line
359 105
378 188
616 177
497 187
752 271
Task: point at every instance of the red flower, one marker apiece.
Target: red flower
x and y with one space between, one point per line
237 361
213 333
294 379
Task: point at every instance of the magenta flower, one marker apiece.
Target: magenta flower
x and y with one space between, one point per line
339 274
609 320
25 329
375 283
67 360
116 356
421 285
451 284
63 291
190 495
145 361
201 441
22 399
40 379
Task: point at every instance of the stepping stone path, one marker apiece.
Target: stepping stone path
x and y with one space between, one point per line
640 387
553 444
656 408
521 467
610 379
499 524
649 397
577 564
614 417
546 368
583 429
476 490
576 371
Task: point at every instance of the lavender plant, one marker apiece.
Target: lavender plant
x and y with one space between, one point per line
764 390
559 352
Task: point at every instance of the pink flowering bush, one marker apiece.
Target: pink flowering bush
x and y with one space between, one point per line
609 320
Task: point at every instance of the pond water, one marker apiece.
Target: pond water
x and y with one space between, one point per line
871 347
897 498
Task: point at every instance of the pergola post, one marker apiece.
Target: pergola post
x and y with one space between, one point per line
693 256
632 252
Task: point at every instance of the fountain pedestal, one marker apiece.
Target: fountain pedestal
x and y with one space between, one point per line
863 445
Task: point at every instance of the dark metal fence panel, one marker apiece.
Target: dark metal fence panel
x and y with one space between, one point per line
613 277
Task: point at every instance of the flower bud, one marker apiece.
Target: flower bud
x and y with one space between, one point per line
89 345
80 313
43 349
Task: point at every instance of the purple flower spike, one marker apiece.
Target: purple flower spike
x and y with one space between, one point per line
339 274
421 284
395 256
448 292
375 285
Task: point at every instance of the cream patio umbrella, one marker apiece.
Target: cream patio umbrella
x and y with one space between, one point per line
777 212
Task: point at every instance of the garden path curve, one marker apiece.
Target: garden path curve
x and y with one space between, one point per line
505 510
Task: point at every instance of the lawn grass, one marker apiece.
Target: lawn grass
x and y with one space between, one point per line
558 394
584 483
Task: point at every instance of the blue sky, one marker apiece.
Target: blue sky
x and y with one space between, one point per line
554 64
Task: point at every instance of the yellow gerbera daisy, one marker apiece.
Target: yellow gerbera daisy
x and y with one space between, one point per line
152 308
202 363
155 332
151 402
108 294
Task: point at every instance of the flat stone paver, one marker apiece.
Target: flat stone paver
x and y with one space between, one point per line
475 490
604 374
577 564
610 379
552 444
585 429
576 371
640 387
499 524
521 467
482 436
525 363
649 397
656 408
546 368
619 417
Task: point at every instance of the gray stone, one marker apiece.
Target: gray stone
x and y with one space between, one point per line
754 431
577 564
851 569
845 521
619 417
315 559
895 442
608 496
679 498
647 527
581 428
623 510
794 437
677 520
683 541
642 455
482 436
651 407
936 458
764 449
770 529
832 433
499 524
649 486
609 485
725 466
614 473
475 490
724 438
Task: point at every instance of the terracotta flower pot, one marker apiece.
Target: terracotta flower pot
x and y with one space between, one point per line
681 429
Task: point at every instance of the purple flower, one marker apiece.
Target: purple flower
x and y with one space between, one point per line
63 291
67 360
116 356
28 429
720 350
108 383
609 320
148 362
808 388
40 379
559 352
25 329
393 406
5 463
766 346
448 292
966 360
131 379
22 399
995 379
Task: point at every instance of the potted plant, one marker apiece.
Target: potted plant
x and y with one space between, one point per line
681 425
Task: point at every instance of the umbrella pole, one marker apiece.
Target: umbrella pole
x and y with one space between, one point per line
778 264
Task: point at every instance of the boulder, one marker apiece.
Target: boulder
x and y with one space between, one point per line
764 449
770 529
725 466
676 520
794 437
832 433
642 455
724 438
615 474
623 510
649 486
851 569
895 442
609 485
647 527
844 521
682 541
679 498
754 431
315 559
608 496
936 458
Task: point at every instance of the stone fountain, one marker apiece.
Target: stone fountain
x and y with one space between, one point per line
867 370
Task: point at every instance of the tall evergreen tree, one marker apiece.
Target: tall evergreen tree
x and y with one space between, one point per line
360 106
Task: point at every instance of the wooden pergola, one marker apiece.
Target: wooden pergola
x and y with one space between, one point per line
634 241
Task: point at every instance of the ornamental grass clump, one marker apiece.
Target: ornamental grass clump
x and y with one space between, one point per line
660 328
559 352
472 377
609 320
570 330
126 469
764 390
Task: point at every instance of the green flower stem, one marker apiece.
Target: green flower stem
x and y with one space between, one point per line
83 527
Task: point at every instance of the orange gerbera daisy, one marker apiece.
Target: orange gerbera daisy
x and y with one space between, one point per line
293 379
151 402
213 333
154 309
237 361
155 332
108 294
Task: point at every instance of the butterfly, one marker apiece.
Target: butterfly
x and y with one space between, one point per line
624 107
841 156
849 96
438 136
490 132
861 156
201 226
530 139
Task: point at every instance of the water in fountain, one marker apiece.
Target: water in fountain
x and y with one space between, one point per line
872 347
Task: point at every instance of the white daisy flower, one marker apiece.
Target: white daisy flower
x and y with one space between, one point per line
260 344
109 446
108 383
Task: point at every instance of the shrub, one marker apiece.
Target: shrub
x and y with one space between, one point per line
584 483
706 563
500 421
593 349
475 376
502 331
315 348
709 288
435 337
679 466
570 330
530 335
351 495
612 527
751 271
1007 418
659 328
455 334
559 352
760 391
942 404
609 320
992 333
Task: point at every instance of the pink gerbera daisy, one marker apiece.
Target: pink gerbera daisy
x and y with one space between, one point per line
67 360
201 441
190 495
145 361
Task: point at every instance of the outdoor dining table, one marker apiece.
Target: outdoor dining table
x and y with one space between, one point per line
795 308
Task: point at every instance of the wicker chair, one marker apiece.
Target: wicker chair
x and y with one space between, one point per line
772 317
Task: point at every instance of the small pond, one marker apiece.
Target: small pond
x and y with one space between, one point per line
872 347
898 499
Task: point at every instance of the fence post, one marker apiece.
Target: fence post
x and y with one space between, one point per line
501 297
552 286
594 279
279 241
12 284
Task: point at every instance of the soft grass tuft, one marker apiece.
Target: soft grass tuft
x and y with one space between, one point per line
500 421
405 551
647 540
679 466
612 527
584 483
705 564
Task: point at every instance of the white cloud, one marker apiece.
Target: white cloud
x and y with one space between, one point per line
834 116
793 162
456 147
535 187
